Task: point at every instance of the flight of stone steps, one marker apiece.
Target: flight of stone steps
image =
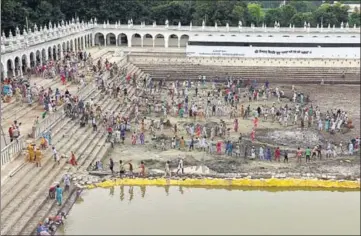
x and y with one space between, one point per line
260 73
23 112
13 109
25 196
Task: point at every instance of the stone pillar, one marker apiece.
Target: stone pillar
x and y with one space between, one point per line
154 42
130 43
28 62
84 42
46 56
165 42
179 40
61 51
21 67
5 73
76 45
116 41
142 41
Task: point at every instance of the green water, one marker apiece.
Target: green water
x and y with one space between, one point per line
177 210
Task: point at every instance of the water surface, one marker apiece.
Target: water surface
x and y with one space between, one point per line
180 210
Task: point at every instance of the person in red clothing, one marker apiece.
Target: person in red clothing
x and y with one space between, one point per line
11 134
253 134
277 154
63 79
73 161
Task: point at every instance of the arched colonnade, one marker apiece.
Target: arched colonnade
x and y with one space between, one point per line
141 40
17 65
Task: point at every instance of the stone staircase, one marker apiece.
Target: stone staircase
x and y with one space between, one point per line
25 196
176 66
261 73
26 114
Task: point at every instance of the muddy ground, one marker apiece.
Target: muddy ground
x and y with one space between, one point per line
268 135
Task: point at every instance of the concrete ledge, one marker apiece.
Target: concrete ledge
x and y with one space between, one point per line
233 182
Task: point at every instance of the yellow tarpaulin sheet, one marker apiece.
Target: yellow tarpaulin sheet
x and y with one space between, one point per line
301 183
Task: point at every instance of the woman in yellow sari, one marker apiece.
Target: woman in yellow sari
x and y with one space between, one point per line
31 152
38 156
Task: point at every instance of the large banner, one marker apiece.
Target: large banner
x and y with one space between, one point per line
281 52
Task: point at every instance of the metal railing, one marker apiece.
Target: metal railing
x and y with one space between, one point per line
12 150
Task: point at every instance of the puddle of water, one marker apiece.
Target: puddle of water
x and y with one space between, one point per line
180 210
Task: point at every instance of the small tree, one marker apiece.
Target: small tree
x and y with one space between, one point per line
256 13
354 18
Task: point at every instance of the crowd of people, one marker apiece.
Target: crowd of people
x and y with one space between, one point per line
241 101
198 103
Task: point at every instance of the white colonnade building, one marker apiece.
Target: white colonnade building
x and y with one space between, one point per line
28 49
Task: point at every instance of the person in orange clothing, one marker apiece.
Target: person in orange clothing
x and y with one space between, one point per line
73 161
38 156
31 153
43 143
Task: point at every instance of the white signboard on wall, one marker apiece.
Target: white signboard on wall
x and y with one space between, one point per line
282 52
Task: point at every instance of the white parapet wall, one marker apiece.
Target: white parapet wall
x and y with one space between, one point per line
163 59
273 52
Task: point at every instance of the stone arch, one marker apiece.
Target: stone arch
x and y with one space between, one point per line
38 58
159 40
111 39
10 67
99 39
32 59
50 53
147 40
122 39
173 40
136 40
55 53
24 63
184 40
43 56
17 63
